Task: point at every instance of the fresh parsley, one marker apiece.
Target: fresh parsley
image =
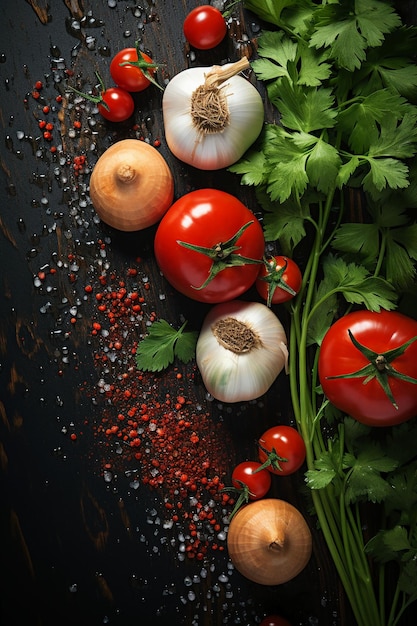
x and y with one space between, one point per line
163 344
342 77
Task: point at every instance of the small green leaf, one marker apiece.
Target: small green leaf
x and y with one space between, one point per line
252 168
304 109
358 239
348 33
319 479
163 344
396 140
357 286
283 221
314 68
347 170
323 166
385 173
359 121
386 545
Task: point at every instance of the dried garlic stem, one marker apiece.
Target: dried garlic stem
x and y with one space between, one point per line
218 74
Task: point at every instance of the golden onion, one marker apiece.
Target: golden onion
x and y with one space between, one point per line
269 541
131 185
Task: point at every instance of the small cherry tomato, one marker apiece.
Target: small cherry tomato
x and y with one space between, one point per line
257 482
250 482
279 280
204 27
274 620
131 72
282 450
116 105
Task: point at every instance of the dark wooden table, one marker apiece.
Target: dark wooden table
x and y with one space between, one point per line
85 537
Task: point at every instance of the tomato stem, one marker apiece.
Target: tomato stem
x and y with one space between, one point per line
243 494
91 97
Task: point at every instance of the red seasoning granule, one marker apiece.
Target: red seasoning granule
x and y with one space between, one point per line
176 447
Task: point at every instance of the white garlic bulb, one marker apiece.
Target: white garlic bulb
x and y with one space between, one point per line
241 349
211 115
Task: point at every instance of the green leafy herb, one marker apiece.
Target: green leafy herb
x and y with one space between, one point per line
163 344
343 78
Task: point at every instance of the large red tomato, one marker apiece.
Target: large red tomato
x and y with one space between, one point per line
209 246
385 362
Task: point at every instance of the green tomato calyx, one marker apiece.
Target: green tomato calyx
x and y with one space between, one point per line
274 278
273 460
223 255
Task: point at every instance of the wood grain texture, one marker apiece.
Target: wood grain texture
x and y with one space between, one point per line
75 549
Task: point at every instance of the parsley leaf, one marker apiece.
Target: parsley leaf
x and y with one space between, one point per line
285 224
280 56
303 109
348 33
356 285
390 231
359 121
271 10
163 344
391 66
365 469
276 52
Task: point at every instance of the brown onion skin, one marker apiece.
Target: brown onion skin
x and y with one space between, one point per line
131 185
269 541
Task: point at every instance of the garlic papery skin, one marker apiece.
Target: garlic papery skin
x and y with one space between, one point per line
241 349
211 115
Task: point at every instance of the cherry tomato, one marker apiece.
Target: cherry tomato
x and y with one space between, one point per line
232 241
282 450
362 396
274 620
132 77
204 27
119 102
258 484
279 280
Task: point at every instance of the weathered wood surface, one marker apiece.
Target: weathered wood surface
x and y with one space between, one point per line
75 548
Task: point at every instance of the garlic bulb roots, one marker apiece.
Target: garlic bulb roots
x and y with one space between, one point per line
211 115
241 349
269 541
131 185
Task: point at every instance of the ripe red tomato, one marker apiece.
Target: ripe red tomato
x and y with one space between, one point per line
204 27
274 620
119 102
210 219
131 77
282 450
363 397
257 484
279 280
